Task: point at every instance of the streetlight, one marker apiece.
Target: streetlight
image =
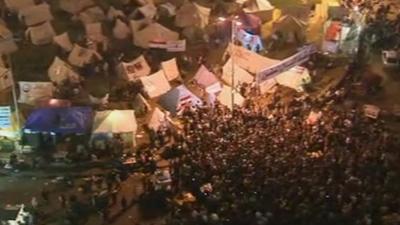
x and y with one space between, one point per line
234 23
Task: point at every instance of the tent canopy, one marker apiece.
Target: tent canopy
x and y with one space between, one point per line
7 43
60 120
252 6
289 23
74 6
41 34
240 75
225 97
60 71
154 33
63 41
178 98
294 78
157 120
191 14
19 4
155 84
204 77
115 121
36 14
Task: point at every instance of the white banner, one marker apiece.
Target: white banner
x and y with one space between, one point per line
136 68
5 116
176 46
295 60
31 92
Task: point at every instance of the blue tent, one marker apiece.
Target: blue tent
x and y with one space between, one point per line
60 120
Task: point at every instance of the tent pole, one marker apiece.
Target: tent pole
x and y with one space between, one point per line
233 63
14 95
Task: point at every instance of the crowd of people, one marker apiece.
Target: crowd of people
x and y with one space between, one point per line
271 165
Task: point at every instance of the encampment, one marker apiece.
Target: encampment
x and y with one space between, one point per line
80 56
60 120
241 76
41 34
292 29
204 77
177 99
60 71
134 69
63 41
170 69
294 78
155 84
191 14
31 92
225 97
36 14
153 35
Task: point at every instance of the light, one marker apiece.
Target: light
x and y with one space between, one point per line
356 8
222 19
238 23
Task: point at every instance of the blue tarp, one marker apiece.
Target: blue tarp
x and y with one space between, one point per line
60 120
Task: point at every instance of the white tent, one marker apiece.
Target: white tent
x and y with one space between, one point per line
36 14
170 69
157 119
7 43
94 32
41 34
251 61
5 79
135 69
253 6
154 33
191 14
17 5
115 121
113 13
32 92
155 84
60 71
178 98
225 97
80 56
121 30
92 15
63 41
294 78
240 75
204 77
147 11
74 6
137 25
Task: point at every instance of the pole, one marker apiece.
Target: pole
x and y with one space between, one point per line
14 95
233 63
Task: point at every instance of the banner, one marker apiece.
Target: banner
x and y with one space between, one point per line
295 60
5 116
136 68
176 46
31 92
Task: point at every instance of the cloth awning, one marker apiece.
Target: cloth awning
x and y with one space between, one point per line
60 120
115 121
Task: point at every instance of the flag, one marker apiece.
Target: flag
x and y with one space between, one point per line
183 103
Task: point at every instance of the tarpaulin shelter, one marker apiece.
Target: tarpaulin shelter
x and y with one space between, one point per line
92 15
294 78
261 8
155 84
292 29
121 30
6 80
157 119
115 122
7 43
80 56
36 14
17 5
241 76
154 33
60 120
191 14
41 34
225 97
250 61
175 100
63 41
60 71
75 6
204 77
134 69
170 69
32 92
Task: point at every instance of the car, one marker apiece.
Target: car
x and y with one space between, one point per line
391 58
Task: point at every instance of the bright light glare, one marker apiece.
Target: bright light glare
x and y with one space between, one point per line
222 19
356 8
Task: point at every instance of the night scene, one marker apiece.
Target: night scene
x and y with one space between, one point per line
199 112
